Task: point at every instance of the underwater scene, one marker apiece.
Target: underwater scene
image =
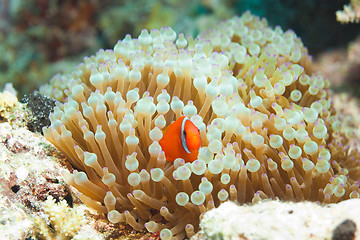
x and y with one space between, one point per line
169 119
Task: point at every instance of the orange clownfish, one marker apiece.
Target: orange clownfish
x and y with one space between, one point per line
181 139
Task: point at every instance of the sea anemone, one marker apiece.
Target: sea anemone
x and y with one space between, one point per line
267 126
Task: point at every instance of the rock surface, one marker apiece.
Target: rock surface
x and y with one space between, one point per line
282 220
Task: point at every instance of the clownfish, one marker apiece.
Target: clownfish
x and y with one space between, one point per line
181 139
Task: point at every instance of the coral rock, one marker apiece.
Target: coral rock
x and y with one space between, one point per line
282 220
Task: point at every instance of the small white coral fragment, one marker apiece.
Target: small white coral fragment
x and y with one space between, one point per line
8 102
62 221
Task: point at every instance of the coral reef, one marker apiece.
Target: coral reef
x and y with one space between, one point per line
39 21
33 39
267 125
11 111
350 13
36 45
15 223
342 67
7 104
64 222
30 173
350 111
